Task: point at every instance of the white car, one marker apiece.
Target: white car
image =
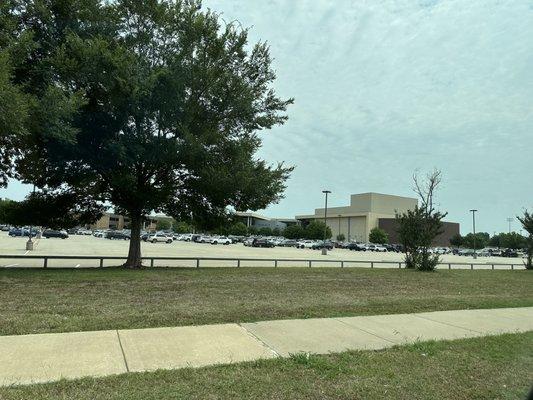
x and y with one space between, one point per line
85 232
99 234
159 237
306 244
376 247
186 237
221 240
204 239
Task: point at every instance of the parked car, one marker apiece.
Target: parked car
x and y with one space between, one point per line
393 248
51 233
204 239
323 244
159 237
261 242
510 253
248 241
305 244
86 232
376 247
495 252
356 247
289 243
116 235
22 232
236 239
221 240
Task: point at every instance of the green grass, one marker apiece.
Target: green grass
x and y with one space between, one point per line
499 367
38 301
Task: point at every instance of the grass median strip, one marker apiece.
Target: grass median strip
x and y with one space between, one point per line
39 301
498 367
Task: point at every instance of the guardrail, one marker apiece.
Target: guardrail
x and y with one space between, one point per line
238 261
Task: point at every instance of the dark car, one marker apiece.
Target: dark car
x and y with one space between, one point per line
356 247
289 243
51 233
322 245
393 247
511 253
21 232
116 235
259 242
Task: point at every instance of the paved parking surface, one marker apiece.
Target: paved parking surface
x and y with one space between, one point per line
91 246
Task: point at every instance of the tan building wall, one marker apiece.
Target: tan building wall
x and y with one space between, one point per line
362 215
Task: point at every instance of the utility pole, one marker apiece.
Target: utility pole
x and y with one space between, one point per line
509 220
324 250
474 229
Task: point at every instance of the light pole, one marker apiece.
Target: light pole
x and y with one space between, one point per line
324 250
474 229
509 220
339 225
29 243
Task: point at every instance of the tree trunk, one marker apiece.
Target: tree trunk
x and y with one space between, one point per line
134 253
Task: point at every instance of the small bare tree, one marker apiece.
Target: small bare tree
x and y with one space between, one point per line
527 223
418 228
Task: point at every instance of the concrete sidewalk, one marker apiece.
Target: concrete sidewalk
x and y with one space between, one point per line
48 357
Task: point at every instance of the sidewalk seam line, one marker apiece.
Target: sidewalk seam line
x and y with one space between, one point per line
446 323
370 333
260 340
123 354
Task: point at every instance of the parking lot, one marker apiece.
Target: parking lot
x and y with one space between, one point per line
77 245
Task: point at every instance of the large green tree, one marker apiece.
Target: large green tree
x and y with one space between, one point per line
151 105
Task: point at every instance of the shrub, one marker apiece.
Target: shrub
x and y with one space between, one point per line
378 236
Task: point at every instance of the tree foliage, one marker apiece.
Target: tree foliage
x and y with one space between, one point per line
418 228
478 241
341 237
147 105
315 231
163 224
294 232
238 229
527 224
265 231
378 236
456 240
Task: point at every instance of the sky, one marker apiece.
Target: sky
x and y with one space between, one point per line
384 88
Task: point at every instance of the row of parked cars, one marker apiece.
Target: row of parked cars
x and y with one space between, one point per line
490 252
33 232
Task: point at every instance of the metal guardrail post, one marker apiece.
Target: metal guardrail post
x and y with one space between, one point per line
275 263
197 263
472 266
492 266
102 262
371 264
342 264
310 263
512 266
399 265
450 266
239 263
45 265
151 262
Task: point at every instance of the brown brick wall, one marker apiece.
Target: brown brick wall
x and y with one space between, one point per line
390 226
